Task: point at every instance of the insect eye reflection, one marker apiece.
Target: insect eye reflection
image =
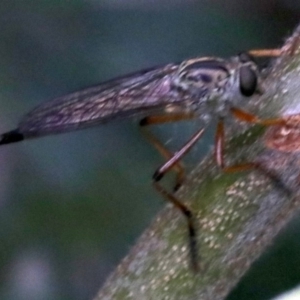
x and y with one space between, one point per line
248 81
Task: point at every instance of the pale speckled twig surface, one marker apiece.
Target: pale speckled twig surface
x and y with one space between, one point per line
237 215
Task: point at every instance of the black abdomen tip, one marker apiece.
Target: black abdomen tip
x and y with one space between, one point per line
11 137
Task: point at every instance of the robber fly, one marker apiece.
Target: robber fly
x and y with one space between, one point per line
200 88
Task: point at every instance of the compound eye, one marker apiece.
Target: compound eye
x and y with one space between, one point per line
248 81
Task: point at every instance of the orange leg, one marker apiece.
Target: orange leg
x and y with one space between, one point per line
191 227
250 118
158 175
265 52
220 139
288 49
219 152
161 119
219 144
178 168
173 162
166 118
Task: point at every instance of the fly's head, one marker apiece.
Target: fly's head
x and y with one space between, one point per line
216 82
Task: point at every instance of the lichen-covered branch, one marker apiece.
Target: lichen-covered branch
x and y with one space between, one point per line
237 214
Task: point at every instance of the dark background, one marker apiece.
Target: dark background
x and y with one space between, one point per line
71 205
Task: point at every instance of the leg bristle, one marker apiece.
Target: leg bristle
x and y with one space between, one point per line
11 137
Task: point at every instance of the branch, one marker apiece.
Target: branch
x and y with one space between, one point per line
237 215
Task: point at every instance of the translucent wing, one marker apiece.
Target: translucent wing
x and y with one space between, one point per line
123 97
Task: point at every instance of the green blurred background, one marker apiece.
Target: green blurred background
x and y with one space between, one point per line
72 205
